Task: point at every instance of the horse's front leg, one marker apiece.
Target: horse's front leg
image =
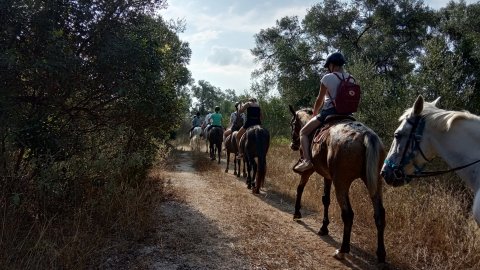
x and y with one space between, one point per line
326 203
379 215
301 186
341 191
219 149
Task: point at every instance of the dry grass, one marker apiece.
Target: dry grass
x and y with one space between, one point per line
113 218
429 224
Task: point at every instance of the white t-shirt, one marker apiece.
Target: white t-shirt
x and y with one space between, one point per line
207 118
233 117
332 82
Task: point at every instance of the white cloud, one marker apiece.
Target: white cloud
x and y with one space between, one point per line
203 37
224 56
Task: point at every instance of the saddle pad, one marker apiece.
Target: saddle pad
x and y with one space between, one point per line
331 121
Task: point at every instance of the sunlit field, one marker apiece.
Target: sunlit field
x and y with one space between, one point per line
429 223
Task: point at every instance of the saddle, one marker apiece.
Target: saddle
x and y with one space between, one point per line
330 121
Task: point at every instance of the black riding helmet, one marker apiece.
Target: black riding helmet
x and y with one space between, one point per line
335 58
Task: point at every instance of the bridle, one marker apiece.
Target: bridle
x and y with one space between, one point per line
413 143
295 134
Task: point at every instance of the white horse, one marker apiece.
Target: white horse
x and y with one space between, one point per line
426 132
196 139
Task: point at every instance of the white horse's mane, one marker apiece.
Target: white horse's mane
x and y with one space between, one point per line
440 119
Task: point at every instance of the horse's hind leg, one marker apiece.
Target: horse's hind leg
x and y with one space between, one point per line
341 192
326 203
255 182
219 149
379 214
244 169
301 186
249 170
235 162
228 161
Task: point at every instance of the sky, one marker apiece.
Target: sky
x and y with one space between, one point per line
221 33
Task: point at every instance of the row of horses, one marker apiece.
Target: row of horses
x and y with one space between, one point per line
345 149
255 143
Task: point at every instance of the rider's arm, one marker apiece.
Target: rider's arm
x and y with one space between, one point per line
320 99
244 107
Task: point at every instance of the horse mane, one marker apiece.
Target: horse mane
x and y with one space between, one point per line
304 115
439 118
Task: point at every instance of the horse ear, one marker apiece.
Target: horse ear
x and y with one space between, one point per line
435 102
418 106
291 109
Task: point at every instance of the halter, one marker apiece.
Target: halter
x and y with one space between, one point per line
413 142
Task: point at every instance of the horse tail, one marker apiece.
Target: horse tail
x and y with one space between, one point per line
373 153
262 143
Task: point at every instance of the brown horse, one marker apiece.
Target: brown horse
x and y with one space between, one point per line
231 147
255 143
346 151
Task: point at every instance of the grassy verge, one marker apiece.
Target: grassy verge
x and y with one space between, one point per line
429 222
80 237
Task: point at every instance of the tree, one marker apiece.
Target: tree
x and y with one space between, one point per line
207 95
457 40
388 33
87 89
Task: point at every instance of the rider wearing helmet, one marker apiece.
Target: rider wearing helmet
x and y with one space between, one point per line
196 122
215 119
323 105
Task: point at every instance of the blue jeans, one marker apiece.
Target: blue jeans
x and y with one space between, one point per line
324 113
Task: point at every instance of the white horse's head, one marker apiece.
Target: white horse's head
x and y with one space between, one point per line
411 148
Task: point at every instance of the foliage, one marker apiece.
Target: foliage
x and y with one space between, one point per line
89 91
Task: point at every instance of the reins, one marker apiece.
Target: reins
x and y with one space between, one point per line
435 173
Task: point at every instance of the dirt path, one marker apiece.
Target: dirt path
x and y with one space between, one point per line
217 223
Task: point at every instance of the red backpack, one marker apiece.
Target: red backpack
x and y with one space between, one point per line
348 95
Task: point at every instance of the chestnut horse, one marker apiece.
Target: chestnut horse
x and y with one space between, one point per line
347 150
232 148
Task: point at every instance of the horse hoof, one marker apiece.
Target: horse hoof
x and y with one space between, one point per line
297 216
226 171
382 266
339 255
249 186
323 232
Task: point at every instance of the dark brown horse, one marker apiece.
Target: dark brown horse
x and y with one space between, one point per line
346 151
255 143
215 139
